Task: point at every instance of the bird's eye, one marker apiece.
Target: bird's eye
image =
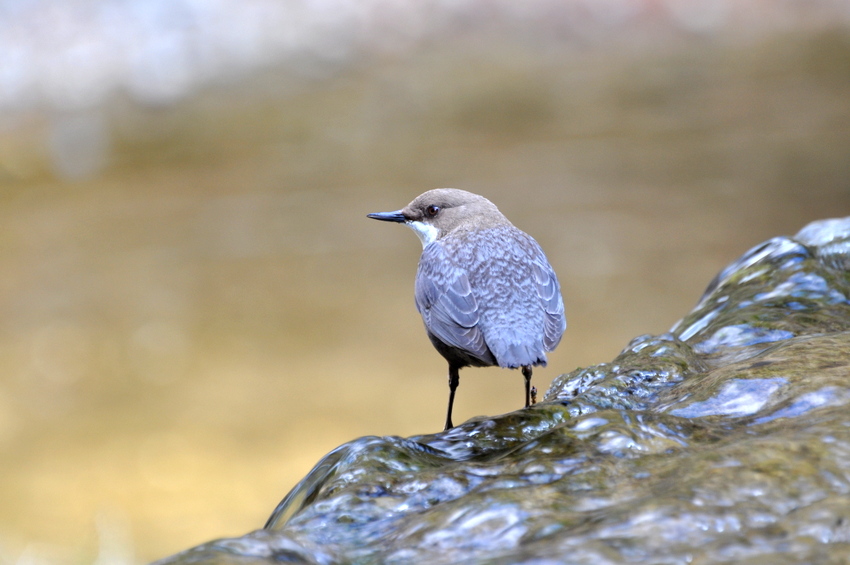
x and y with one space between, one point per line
432 210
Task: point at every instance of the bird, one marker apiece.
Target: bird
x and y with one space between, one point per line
484 288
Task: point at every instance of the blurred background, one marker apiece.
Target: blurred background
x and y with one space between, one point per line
193 306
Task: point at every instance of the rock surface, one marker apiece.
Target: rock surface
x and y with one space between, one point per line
726 440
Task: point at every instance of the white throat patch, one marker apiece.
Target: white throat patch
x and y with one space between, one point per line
426 232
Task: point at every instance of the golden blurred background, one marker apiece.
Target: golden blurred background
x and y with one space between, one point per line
194 306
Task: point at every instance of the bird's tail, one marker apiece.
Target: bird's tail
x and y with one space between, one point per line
511 352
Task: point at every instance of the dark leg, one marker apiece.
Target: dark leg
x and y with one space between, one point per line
454 379
526 372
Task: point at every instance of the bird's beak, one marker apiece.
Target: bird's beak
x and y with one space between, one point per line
396 216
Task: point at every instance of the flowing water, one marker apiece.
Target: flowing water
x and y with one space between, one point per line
726 440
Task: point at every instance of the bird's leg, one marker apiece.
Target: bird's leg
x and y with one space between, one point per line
454 380
526 372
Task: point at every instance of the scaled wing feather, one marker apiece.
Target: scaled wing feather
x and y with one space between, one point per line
445 300
549 291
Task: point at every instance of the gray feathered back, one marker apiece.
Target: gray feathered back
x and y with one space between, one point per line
491 294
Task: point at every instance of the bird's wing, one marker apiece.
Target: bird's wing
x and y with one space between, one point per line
444 299
549 291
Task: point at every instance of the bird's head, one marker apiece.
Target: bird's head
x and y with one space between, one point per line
436 213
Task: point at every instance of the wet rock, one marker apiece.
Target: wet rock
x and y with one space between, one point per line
726 440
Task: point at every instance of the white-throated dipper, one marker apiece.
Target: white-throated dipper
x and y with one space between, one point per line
484 288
